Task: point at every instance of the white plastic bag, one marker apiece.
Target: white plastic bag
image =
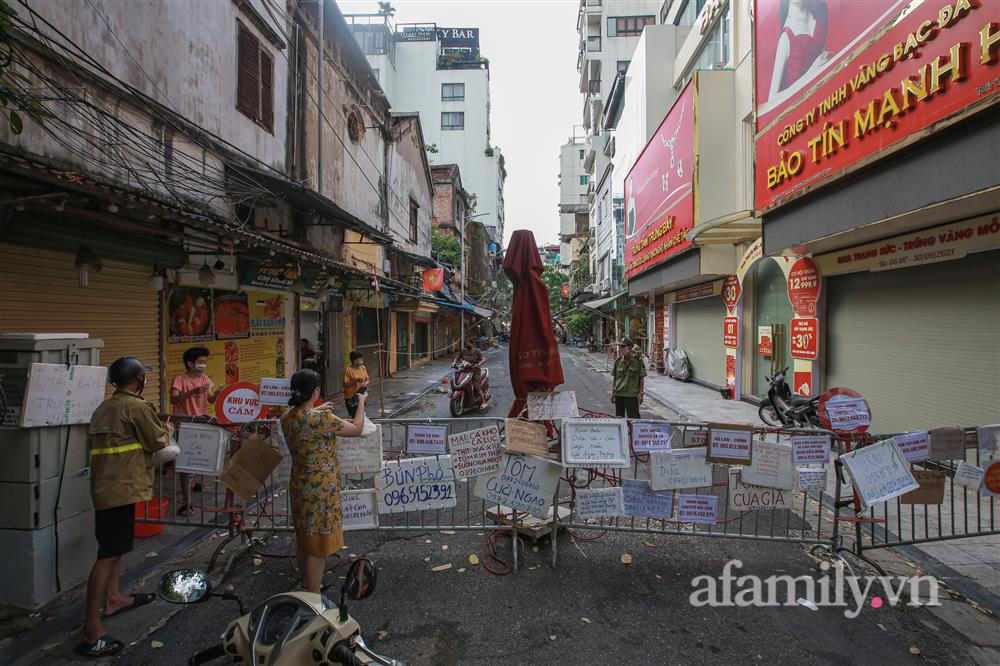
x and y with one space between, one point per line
368 428
678 365
167 453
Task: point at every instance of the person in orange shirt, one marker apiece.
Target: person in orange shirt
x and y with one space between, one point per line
355 379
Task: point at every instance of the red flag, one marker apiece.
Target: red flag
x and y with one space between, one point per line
434 279
534 354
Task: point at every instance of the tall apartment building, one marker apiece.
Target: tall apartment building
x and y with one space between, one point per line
440 73
609 31
573 203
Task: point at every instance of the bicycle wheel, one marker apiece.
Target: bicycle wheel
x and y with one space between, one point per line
769 415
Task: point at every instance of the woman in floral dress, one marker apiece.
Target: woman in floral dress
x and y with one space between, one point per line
311 430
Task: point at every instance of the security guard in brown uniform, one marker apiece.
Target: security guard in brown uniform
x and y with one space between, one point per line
124 433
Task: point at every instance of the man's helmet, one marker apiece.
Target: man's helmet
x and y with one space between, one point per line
126 370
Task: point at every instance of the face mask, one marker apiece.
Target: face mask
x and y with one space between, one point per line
200 368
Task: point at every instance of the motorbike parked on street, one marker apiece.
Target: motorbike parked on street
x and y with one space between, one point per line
783 408
288 629
463 398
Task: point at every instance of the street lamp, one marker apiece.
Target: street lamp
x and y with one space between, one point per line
461 271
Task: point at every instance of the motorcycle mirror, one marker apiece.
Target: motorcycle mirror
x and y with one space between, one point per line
360 580
184 586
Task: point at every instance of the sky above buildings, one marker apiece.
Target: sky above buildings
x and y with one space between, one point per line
532 49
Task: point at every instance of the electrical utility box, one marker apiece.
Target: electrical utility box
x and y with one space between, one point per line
48 517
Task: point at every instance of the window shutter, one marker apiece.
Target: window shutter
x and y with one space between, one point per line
266 91
248 76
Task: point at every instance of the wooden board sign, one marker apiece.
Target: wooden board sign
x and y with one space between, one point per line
526 437
931 490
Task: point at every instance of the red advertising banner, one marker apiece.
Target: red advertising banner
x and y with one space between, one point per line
843 82
765 345
731 332
659 191
731 374
802 383
804 338
731 292
803 287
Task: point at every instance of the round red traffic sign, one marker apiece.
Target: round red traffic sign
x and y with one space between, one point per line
238 403
991 478
844 410
803 287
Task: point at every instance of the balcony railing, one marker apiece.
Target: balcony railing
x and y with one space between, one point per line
594 87
593 44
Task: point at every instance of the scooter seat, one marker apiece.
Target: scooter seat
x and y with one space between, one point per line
798 400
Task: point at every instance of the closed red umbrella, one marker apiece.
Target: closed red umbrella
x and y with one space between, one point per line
534 354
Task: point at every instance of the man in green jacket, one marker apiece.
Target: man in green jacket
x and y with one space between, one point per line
125 432
628 380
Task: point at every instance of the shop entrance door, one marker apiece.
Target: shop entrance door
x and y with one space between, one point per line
772 309
402 340
419 340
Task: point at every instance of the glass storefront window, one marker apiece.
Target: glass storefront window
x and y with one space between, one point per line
771 308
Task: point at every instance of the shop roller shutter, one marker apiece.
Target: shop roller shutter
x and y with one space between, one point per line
699 333
40 292
921 344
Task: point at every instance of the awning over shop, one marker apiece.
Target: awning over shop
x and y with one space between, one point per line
472 305
593 305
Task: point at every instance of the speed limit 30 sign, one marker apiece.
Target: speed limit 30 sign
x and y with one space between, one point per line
803 338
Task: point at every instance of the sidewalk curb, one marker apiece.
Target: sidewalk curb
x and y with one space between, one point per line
654 395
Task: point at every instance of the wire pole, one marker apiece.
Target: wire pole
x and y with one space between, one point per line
319 116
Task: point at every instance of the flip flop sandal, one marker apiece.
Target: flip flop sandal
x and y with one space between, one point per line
141 599
105 646
185 510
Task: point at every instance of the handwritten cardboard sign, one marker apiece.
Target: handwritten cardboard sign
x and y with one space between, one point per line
684 437
359 509
810 449
361 455
595 443
650 436
730 444
57 394
416 484
969 476
811 479
931 490
275 391
696 508
879 472
746 497
914 446
640 500
771 466
524 483
526 437
203 448
554 405
426 439
599 502
475 452
679 468
947 443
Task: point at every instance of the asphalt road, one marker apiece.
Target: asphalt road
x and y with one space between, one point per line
591 609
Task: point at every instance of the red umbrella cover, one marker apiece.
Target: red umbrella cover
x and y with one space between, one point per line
534 354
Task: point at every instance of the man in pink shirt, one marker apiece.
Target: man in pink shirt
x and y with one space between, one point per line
190 393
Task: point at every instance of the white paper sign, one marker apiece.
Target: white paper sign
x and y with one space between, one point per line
688 437
524 483
640 500
848 414
595 443
988 438
203 448
747 497
57 394
696 508
599 502
555 405
426 439
969 476
729 446
650 436
415 484
275 391
914 445
879 472
679 468
361 455
359 509
475 452
812 479
810 449
771 466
